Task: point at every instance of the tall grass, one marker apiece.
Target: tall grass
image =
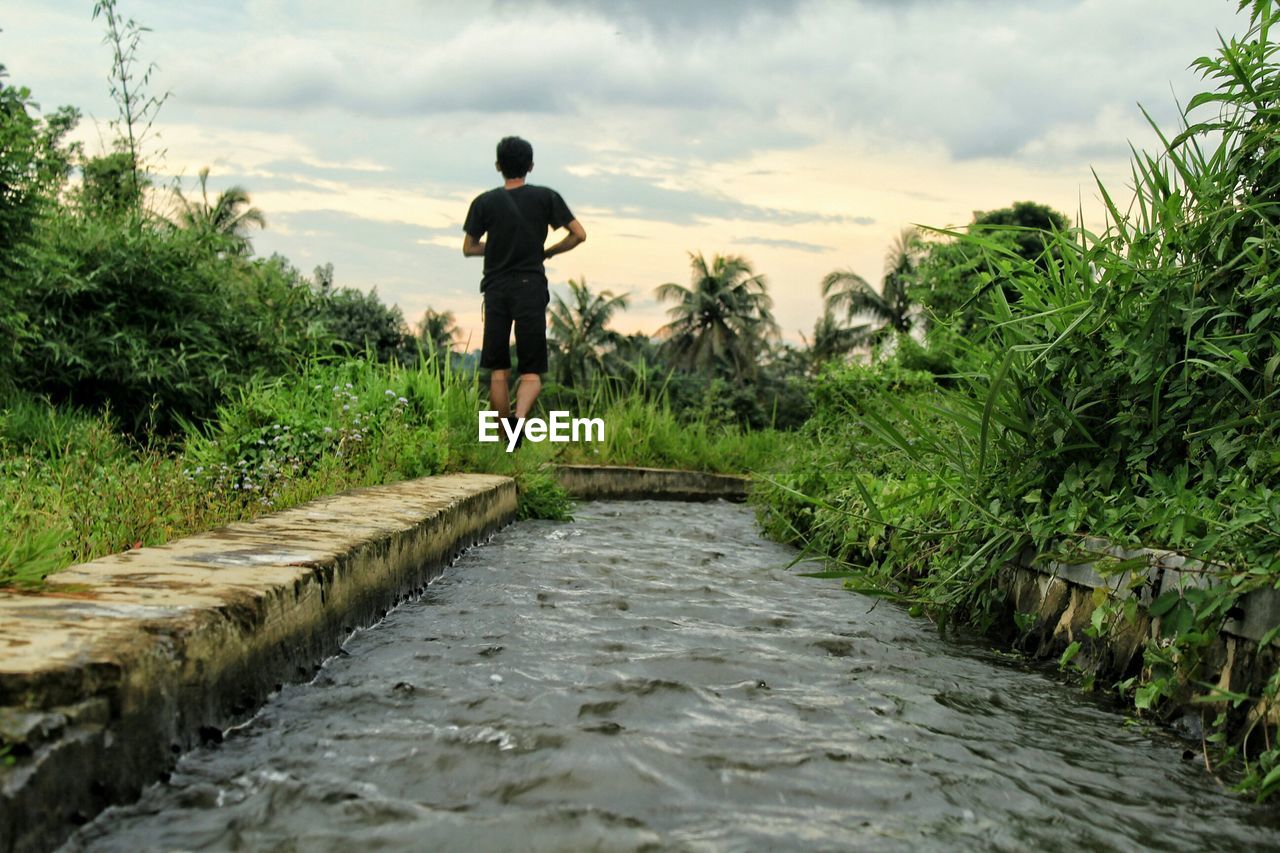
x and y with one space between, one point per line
643 429
73 487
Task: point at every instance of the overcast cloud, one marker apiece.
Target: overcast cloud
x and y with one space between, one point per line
801 134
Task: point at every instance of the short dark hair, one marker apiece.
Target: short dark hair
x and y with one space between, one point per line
515 157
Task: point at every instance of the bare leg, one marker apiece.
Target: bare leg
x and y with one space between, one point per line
527 393
499 394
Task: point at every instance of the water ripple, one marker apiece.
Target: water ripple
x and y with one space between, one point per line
652 677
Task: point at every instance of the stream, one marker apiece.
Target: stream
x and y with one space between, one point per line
653 676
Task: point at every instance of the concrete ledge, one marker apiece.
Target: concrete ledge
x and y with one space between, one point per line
1058 601
609 482
134 658
1151 572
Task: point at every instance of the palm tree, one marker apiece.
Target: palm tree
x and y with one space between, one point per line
724 319
438 331
832 339
580 333
226 220
890 308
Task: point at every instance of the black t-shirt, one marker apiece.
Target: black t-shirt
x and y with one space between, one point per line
516 239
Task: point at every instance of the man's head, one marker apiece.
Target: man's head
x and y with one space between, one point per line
515 157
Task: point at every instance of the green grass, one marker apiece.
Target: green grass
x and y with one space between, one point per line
74 488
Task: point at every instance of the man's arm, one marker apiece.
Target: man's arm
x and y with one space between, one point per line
577 236
472 248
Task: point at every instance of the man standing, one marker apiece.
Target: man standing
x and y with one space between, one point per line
516 216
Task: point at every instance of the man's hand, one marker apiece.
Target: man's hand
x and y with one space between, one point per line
577 236
472 248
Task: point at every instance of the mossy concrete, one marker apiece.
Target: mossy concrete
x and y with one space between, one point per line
127 661
1058 599
608 482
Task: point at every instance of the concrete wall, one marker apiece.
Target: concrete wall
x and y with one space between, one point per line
130 660
606 482
1063 596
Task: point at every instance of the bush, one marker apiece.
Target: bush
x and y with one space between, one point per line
143 320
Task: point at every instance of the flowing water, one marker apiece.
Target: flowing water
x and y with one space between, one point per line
652 676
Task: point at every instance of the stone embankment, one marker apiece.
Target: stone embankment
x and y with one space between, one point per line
1061 599
609 482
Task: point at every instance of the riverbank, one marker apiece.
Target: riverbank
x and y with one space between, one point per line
891 485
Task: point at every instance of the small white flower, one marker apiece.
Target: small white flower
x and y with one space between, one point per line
346 408
402 400
328 430
389 392
348 386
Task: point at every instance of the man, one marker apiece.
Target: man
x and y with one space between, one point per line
515 216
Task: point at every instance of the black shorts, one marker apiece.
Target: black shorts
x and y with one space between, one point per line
521 299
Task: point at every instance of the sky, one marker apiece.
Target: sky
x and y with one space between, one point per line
801 135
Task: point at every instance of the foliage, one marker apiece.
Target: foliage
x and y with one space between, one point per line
145 320
361 323
33 163
954 278
437 332
832 340
73 487
111 187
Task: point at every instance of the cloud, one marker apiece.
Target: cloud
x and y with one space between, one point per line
633 197
667 16
984 78
777 243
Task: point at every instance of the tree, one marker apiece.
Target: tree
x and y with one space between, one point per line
438 332
723 320
832 339
955 277
889 309
579 331
137 110
1025 224
226 221
361 322
33 163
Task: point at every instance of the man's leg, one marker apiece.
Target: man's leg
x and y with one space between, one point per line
499 393
530 316
495 354
527 393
